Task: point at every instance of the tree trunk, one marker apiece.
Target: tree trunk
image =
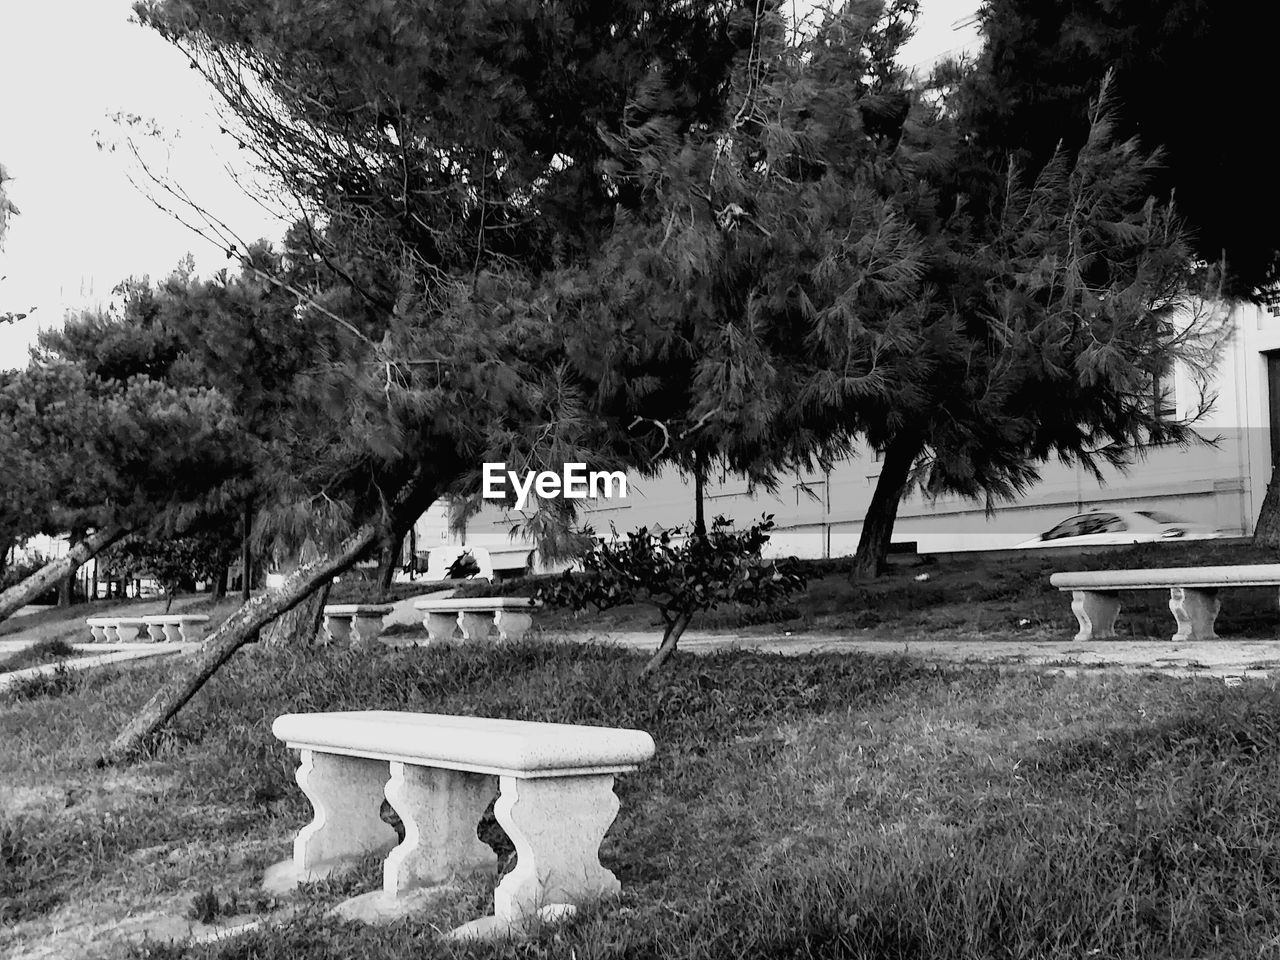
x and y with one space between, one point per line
242 626
219 589
668 645
238 629
699 472
1266 533
877 525
66 588
390 559
246 557
20 594
298 627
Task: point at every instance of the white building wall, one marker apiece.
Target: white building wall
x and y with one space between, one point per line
1219 484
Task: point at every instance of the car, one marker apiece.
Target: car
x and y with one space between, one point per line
1120 526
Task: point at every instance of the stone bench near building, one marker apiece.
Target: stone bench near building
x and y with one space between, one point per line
1193 595
166 627
511 617
357 623
554 788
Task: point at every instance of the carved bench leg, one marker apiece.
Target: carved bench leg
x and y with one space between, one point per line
1096 613
365 631
128 633
154 632
1195 610
440 810
98 634
440 626
337 629
346 794
475 626
172 632
512 625
557 825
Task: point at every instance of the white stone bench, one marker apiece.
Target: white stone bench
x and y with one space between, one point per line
474 616
554 789
359 623
1193 595
176 627
116 629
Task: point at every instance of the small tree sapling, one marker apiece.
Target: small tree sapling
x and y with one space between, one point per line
680 579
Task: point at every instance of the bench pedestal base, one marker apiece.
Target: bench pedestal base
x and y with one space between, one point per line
346 794
1096 612
512 625
440 626
1196 611
474 626
557 825
439 809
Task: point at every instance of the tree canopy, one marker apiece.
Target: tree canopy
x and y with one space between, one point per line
1187 73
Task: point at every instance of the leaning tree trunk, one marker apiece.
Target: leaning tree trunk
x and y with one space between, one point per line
668 645
20 594
242 626
299 626
882 512
1266 533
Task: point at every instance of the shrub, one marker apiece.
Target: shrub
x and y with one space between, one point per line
703 572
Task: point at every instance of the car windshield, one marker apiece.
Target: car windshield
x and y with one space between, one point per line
1159 516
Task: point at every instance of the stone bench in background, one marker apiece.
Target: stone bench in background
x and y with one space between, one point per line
555 800
1193 595
169 627
357 623
116 629
177 627
474 617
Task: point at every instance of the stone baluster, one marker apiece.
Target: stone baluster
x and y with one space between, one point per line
1096 612
440 810
1196 611
557 825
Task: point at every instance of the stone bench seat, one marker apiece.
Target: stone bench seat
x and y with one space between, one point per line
357 623
1193 595
511 617
177 627
553 785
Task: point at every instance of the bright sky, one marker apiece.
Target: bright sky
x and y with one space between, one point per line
65 67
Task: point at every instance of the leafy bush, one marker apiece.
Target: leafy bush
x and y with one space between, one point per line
680 580
173 562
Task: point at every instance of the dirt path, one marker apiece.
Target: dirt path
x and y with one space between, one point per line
1222 657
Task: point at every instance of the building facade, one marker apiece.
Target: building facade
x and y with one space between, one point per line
1220 482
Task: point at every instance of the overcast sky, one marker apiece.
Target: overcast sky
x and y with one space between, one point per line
65 67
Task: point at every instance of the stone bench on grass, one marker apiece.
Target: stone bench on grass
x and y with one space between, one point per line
177 627
555 800
170 627
116 629
474 616
1193 595
358 623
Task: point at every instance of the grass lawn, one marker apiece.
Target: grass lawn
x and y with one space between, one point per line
817 806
